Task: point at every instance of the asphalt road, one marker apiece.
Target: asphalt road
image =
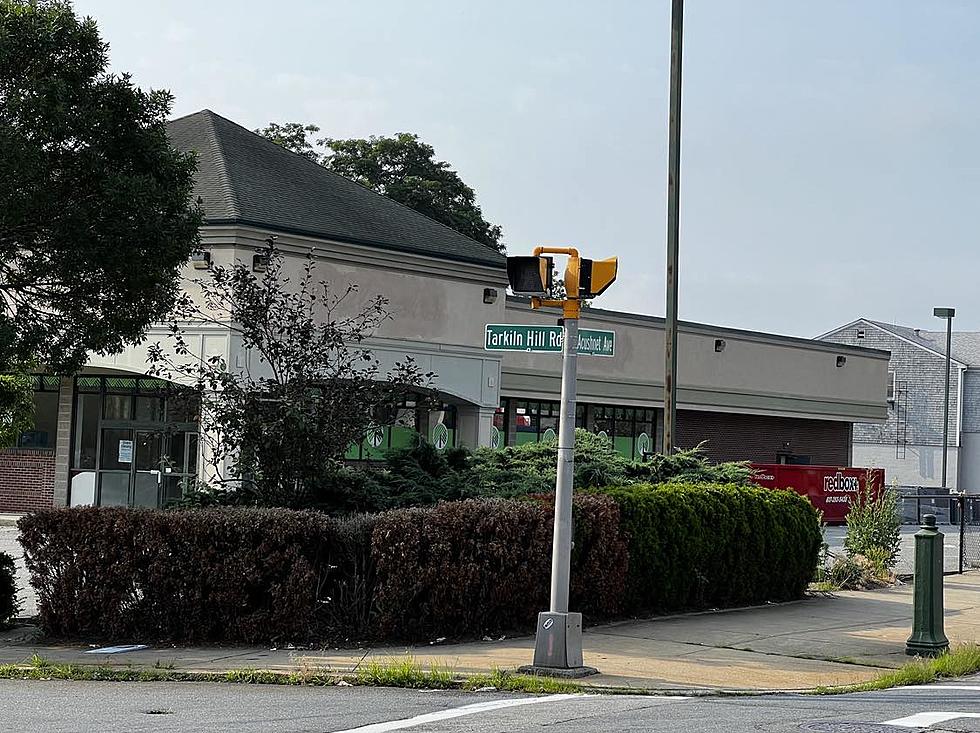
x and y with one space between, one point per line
102 706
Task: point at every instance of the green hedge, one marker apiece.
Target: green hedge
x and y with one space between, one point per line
458 569
8 589
712 546
229 574
485 565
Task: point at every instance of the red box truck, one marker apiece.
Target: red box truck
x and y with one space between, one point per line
829 488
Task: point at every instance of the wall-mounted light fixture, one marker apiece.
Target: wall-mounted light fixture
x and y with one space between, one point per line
489 295
201 260
719 345
841 361
260 262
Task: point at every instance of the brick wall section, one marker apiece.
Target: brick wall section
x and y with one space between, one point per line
61 459
924 376
761 438
26 480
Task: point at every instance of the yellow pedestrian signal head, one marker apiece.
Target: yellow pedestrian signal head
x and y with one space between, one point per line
530 275
594 276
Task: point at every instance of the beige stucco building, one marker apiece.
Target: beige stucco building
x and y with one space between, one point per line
751 395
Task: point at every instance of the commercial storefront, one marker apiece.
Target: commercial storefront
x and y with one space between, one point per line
114 436
630 430
134 442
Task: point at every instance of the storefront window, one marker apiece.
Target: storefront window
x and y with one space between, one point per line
44 433
129 448
415 415
86 430
629 429
643 432
149 408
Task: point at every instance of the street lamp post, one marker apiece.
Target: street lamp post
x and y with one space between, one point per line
673 223
948 314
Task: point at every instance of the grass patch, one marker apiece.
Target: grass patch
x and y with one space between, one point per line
395 673
406 673
502 680
957 662
823 586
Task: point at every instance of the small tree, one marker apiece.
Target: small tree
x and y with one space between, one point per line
309 387
874 525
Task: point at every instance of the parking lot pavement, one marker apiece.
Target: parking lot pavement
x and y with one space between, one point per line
834 537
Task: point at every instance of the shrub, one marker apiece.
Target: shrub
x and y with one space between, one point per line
421 475
707 546
857 572
9 606
457 569
874 525
483 566
844 573
232 575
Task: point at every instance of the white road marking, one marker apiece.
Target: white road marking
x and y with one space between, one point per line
476 708
924 720
937 687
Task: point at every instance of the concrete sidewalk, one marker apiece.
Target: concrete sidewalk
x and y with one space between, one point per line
822 640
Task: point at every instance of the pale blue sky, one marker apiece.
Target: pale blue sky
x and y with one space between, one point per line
831 165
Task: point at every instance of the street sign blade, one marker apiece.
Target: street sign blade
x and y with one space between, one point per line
546 339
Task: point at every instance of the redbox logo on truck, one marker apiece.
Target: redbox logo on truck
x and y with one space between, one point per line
840 482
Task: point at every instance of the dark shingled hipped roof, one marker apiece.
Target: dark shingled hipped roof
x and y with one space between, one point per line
244 178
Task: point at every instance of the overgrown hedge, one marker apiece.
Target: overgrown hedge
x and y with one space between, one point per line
229 574
458 569
485 565
712 546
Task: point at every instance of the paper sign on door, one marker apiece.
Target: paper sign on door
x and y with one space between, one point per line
125 451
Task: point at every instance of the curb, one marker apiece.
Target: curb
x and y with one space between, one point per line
280 677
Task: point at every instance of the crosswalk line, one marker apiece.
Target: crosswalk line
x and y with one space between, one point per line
474 709
924 720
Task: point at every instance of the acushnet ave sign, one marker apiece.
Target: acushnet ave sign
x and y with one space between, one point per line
547 339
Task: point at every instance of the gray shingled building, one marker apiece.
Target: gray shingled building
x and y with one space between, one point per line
908 445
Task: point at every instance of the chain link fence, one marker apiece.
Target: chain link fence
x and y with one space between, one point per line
959 518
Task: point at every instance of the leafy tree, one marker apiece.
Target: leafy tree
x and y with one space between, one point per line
96 215
16 406
309 387
403 168
294 136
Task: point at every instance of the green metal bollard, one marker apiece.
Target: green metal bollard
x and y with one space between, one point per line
928 639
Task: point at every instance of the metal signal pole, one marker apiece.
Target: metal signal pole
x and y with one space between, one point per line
673 222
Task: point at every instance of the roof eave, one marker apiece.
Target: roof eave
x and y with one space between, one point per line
492 263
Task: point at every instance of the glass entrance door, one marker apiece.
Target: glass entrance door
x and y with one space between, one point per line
147 469
130 467
115 467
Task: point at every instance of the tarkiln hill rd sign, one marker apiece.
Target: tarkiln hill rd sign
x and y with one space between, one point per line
547 339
